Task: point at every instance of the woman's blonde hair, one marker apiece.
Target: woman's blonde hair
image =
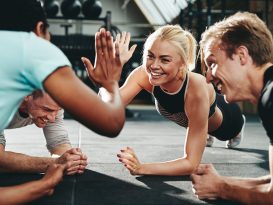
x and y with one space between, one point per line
183 40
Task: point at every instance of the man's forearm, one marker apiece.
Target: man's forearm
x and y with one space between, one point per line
249 183
16 162
249 191
24 193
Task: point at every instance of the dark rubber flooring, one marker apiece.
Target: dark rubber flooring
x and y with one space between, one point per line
106 181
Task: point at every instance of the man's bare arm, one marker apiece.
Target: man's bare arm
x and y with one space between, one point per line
208 184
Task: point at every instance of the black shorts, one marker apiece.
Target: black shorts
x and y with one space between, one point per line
232 120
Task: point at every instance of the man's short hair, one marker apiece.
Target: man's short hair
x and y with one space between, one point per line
242 28
37 94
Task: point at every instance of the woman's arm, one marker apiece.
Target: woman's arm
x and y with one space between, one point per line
105 118
135 82
196 107
138 78
176 167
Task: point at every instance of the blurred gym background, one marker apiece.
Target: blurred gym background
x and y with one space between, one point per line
73 24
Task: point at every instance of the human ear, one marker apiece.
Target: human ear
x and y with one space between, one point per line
242 52
38 30
27 98
41 30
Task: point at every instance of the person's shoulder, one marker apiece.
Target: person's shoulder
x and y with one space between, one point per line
60 114
265 109
197 80
198 88
19 121
43 51
266 99
32 37
139 72
139 69
18 38
196 76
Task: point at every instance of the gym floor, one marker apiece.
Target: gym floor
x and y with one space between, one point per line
153 138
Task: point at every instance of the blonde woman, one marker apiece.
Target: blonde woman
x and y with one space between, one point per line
180 95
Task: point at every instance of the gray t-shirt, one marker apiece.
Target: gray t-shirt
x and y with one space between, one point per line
55 133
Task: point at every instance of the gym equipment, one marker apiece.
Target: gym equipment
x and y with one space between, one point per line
51 8
71 8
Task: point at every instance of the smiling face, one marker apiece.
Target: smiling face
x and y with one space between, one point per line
163 65
41 109
226 73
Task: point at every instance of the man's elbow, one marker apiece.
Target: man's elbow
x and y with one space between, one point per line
113 126
116 128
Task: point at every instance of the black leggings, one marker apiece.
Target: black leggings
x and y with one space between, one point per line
232 120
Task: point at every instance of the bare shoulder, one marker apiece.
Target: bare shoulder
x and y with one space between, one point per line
196 81
140 70
197 77
142 78
197 97
199 86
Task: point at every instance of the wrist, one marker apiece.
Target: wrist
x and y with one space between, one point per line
142 170
106 94
44 187
111 86
222 189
